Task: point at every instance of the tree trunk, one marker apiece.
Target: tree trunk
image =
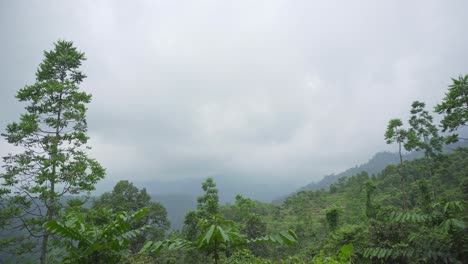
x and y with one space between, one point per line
50 216
402 178
399 151
45 240
50 201
216 252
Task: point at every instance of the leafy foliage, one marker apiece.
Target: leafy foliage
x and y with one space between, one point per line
52 136
88 243
125 197
395 133
423 134
454 106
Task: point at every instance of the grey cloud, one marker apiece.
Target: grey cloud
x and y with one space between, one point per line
264 90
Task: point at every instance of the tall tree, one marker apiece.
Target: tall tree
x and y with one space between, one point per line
208 204
424 135
395 133
52 135
207 209
213 234
454 107
200 225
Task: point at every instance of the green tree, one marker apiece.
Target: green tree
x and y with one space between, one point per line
244 207
207 209
208 204
454 107
207 216
395 133
254 227
333 215
125 197
207 231
53 137
423 134
370 190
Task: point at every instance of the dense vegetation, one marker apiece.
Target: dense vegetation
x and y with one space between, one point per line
410 212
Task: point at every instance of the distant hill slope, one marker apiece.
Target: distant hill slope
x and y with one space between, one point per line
375 165
177 206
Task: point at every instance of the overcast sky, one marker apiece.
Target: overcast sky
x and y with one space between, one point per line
283 90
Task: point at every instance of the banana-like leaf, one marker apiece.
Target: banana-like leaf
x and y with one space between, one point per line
67 232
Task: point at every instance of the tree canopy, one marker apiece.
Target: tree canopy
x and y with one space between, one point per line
454 106
53 161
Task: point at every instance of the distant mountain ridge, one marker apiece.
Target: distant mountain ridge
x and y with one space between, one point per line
377 163
177 205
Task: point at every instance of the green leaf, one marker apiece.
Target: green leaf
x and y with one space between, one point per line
224 236
208 235
346 251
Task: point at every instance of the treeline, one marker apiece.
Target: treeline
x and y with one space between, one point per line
412 212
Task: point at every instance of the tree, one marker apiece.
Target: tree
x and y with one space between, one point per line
244 207
52 135
454 107
207 231
125 197
423 134
200 221
396 134
254 227
332 215
208 204
370 207
399 135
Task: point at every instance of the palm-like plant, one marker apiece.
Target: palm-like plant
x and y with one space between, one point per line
218 237
439 236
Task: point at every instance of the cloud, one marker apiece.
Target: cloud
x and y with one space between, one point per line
264 90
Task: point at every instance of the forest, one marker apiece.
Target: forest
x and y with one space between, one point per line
414 211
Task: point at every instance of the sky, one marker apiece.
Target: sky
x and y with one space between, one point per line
260 91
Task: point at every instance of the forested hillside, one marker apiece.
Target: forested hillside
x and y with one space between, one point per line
369 213
375 165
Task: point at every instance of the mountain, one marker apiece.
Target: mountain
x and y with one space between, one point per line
177 206
375 165
179 196
229 186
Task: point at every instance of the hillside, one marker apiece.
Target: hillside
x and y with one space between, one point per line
375 165
177 206
369 212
